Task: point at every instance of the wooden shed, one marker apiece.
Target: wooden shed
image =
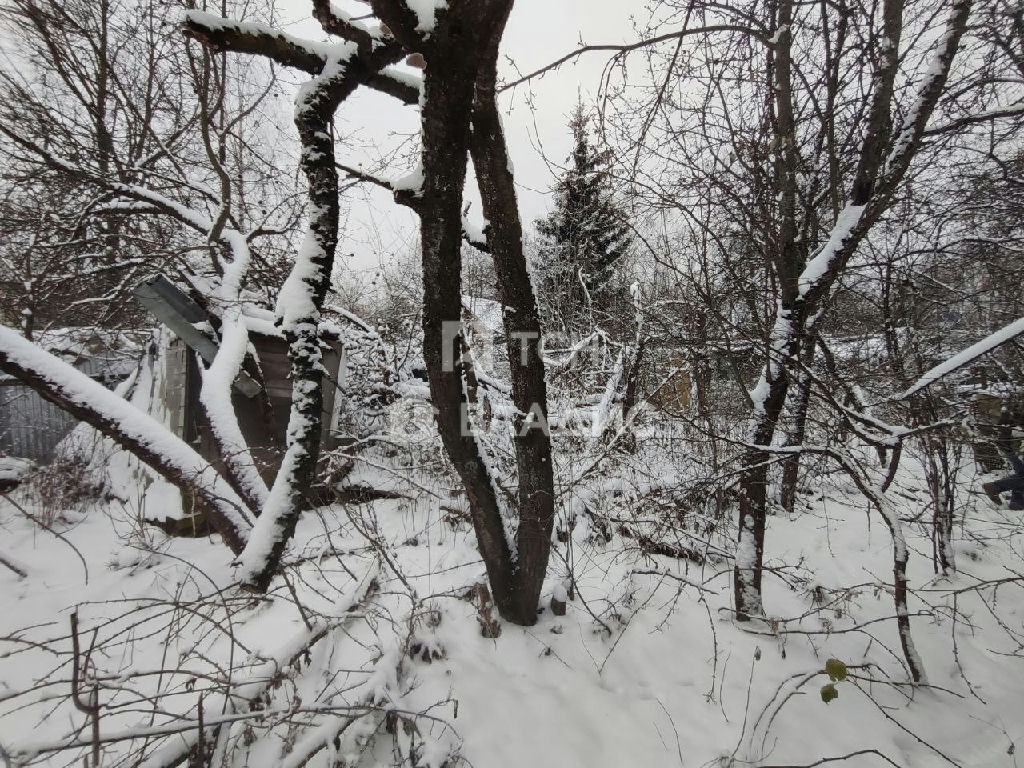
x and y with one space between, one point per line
263 417
356 384
666 380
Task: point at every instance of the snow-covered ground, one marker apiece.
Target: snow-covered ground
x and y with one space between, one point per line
375 635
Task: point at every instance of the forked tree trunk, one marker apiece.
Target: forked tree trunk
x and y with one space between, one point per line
461 54
449 84
883 162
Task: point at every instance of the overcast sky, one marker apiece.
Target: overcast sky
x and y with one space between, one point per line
538 32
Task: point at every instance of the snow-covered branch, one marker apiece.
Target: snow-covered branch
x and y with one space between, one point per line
967 356
260 39
305 55
404 195
135 431
219 377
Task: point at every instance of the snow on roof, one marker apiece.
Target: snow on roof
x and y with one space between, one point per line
97 352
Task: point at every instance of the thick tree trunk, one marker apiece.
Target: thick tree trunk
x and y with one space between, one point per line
522 331
461 53
451 72
300 307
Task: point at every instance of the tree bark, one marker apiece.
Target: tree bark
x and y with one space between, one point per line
883 162
522 332
313 117
459 90
800 400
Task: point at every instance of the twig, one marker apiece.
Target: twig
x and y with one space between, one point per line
92 710
837 759
677 577
50 529
21 573
623 49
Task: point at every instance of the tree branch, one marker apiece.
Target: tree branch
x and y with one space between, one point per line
223 34
134 430
620 50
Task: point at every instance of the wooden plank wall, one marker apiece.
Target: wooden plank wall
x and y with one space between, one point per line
263 427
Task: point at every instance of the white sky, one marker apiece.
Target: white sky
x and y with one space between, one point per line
538 32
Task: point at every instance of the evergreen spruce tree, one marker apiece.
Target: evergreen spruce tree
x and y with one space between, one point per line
582 241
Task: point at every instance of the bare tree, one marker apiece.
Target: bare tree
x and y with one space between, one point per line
142 192
459 117
109 90
811 149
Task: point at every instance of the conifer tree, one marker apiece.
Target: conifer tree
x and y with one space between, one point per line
582 240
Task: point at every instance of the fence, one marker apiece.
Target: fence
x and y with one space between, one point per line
30 426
